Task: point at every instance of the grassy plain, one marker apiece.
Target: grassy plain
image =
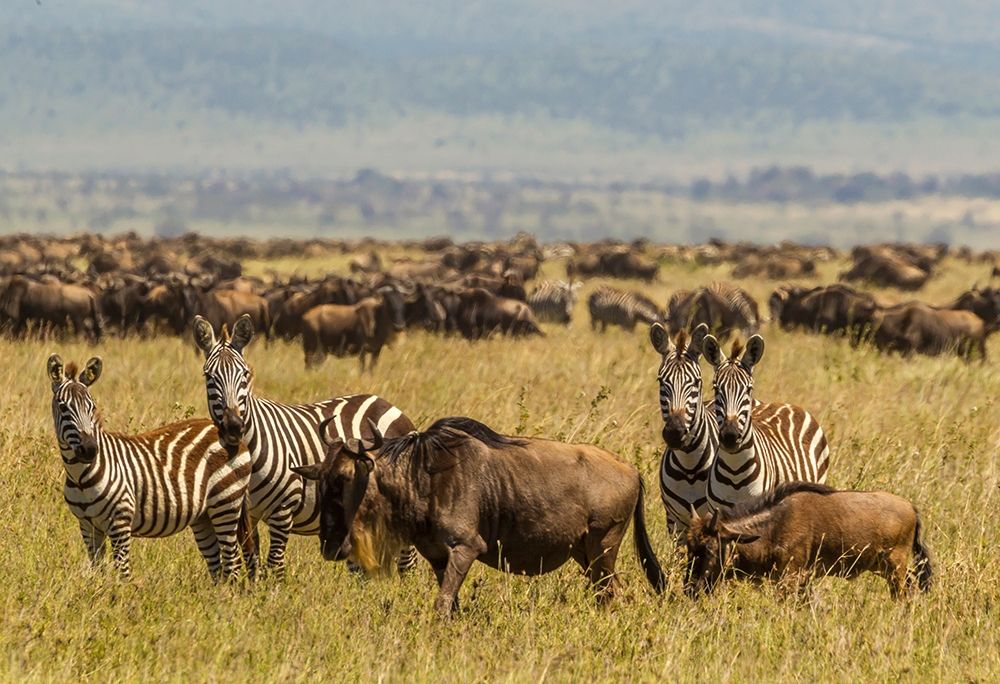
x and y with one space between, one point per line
928 429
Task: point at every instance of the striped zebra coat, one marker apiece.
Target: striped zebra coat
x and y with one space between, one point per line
761 445
689 432
611 306
553 300
723 307
282 436
149 485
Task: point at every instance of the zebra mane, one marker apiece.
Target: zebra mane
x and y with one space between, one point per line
736 350
682 341
71 370
774 497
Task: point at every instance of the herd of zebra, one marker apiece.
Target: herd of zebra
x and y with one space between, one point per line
223 475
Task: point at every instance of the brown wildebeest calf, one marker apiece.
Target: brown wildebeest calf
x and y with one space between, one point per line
801 530
460 492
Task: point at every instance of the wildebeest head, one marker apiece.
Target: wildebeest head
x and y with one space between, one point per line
709 544
228 377
74 413
341 483
733 384
395 305
680 382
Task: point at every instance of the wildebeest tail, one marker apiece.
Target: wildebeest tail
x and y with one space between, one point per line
921 559
643 548
95 315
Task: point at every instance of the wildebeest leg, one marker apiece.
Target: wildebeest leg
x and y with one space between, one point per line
460 559
601 548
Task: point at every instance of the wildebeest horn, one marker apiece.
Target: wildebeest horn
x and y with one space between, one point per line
377 438
694 512
322 431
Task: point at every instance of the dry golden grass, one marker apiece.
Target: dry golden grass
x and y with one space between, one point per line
928 429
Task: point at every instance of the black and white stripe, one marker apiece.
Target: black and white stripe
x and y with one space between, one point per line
280 436
690 435
149 485
611 306
761 445
553 300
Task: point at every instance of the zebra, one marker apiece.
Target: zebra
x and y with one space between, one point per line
280 436
611 306
553 300
723 306
691 437
761 445
149 485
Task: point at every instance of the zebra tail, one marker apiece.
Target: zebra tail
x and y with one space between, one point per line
246 535
643 547
921 559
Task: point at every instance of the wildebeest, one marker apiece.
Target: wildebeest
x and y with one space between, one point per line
886 269
220 307
363 328
460 492
804 530
722 306
624 308
923 329
482 313
830 308
60 305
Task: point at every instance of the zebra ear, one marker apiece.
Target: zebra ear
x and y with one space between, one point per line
204 335
242 333
661 341
308 472
55 368
92 371
697 338
712 351
754 352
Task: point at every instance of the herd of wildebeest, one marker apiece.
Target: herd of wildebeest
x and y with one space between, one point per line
742 481
93 285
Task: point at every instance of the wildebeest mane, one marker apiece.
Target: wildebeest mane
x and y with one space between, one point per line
446 436
776 496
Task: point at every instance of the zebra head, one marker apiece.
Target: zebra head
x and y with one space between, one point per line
680 383
228 378
733 386
74 413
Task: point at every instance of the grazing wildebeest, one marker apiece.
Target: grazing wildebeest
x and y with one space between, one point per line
61 305
482 313
830 308
460 492
363 328
887 270
918 327
803 530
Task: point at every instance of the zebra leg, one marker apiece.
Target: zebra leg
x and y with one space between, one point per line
280 526
208 544
121 545
407 560
93 539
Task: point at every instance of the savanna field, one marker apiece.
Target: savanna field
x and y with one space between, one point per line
925 428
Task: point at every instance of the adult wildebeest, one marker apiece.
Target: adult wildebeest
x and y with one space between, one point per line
802 530
918 327
481 313
363 328
830 309
220 307
460 492
887 270
60 305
